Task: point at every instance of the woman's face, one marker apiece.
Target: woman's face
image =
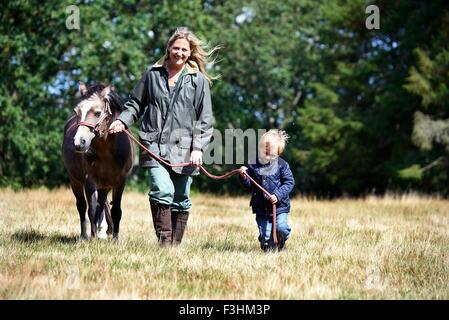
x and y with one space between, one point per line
179 52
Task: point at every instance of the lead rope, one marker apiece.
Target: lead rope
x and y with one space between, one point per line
210 175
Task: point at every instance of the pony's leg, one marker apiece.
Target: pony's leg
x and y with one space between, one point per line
100 219
107 213
77 189
91 194
116 211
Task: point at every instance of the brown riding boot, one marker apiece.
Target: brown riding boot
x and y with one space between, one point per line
178 223
162 223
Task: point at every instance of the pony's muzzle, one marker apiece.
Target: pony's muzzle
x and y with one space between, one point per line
83 139
81 146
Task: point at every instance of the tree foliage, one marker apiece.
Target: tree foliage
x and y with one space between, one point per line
366 110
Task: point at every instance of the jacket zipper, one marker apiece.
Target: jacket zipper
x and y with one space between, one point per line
172 99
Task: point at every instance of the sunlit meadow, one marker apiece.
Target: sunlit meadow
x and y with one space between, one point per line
373 248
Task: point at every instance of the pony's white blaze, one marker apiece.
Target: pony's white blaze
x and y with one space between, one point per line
84 135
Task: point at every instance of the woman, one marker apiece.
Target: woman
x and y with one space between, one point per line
174 100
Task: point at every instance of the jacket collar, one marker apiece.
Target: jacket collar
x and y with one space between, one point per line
190 66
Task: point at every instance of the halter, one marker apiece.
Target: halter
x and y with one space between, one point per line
94 126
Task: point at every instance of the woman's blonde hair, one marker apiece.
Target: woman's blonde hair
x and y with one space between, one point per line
280 136
199 50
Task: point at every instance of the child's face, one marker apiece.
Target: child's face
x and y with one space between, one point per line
268 150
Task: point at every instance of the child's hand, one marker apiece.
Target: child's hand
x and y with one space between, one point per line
243 171
273 199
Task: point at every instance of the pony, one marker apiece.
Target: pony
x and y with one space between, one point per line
96 161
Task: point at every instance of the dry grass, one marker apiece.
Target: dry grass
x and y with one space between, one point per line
391 248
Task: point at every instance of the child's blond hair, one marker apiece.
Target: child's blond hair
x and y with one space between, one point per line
280 136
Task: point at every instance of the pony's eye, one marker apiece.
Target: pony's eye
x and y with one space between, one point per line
97 114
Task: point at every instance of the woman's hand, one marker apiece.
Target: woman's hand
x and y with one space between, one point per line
196 158
243 170
116 127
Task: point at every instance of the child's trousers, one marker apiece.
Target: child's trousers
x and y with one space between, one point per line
265 224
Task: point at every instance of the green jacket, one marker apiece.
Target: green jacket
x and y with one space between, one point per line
172 126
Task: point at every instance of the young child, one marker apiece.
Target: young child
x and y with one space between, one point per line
274 175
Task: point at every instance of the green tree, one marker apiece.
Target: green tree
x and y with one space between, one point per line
366 109
31 115
43 62
358 122
430 81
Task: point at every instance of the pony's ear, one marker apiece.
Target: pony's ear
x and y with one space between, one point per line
112 88
106 91
82 89
77 111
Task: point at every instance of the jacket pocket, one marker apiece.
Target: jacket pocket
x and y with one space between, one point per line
185 142
149 136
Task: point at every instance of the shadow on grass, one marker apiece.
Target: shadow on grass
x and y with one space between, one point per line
33 236
64 239
223 245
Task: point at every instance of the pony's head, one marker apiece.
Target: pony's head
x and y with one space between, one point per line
98 107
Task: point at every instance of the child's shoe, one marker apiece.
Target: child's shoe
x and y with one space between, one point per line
281 245
265 247
268 248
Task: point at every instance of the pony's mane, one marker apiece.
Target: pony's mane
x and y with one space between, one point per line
91 90
115 101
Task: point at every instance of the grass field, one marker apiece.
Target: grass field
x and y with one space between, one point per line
390 248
